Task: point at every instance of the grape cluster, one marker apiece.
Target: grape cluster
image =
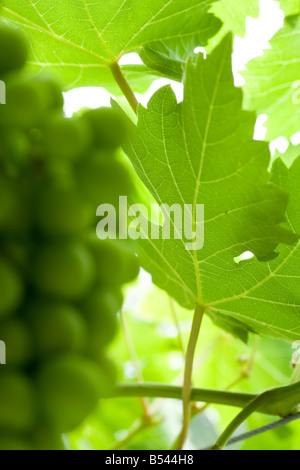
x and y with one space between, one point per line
60 287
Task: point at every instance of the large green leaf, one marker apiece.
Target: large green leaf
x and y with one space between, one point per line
202 152
81 38
272 82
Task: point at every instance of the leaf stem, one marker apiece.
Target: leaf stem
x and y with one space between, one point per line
124 86
187 382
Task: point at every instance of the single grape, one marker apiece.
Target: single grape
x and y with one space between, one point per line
103 180
11 288
14 442
8 201
67 139
57 327
14 150
69 389
62 211
100 311
108 127
17 252
115 263
17 402
24 104
51 94
13 50
29 103
64 270
44 438
18 340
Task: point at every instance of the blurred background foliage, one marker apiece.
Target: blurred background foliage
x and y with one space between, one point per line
156 335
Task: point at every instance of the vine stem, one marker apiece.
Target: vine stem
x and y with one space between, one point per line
188 371
285 399
124 86
239 419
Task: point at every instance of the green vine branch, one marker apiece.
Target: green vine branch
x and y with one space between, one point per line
277 406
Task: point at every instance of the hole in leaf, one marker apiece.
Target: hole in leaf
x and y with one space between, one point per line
243 257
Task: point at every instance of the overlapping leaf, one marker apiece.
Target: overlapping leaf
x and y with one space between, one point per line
233 16
290 155
290 7
273 82
201 152
81 38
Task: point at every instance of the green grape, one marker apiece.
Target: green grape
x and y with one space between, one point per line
54 172
131 267
18 226
17 402
45 438
18 340
100 311
50 92
28 101
11 288
103 180
24 104
14 150
108 127
67 139
107 365
62 212
8 201
14 443
57 327
17 253
69 389
64 270
114 262
13 51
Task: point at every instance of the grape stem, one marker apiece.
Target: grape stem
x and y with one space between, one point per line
124 86
188 371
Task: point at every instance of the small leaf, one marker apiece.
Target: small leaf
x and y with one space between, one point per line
233 14
272 82
290 155
290 7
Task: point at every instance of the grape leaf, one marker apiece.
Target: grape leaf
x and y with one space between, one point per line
201 151
272 82
233 16
80 39
290 155
290 7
